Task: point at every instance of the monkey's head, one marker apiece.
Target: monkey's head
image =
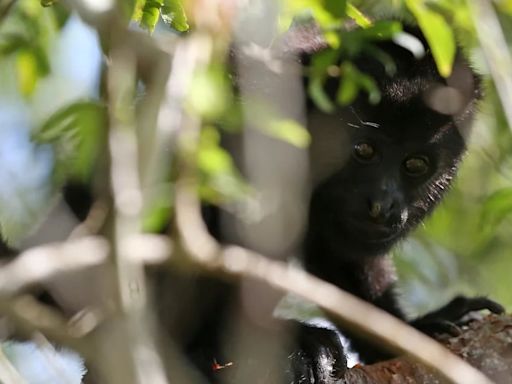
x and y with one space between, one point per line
378 170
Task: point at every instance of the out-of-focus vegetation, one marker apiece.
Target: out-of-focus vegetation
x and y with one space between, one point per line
466 246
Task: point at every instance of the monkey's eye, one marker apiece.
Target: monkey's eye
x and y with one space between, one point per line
416 166
364 151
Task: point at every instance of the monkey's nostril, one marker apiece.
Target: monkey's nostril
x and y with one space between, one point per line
375 209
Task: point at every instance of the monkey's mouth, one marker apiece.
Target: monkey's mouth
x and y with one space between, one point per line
373 232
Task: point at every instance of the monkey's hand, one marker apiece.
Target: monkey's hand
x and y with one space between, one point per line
319 357
449 317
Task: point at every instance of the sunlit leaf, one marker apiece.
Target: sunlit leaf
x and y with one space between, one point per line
317 77
138 10
382 30
174 15
290 131
27 72
220 177
211 157
210 92
358 16
348 89
151 14
438 34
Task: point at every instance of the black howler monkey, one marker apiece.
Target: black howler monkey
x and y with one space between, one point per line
389 167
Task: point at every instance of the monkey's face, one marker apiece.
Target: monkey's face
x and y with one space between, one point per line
378 170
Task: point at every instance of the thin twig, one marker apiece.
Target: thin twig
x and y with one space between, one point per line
43 263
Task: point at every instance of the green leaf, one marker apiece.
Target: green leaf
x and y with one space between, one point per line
174 15
27 72
76 133
352 82
220 179
438 33
150 14
336 7
210 92
138 10
349 86
157 215
290 131
211 157
358 16
382 30
317 76
319 96
368 84
214 159
12 42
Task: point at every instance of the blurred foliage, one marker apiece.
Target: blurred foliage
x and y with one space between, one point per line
219 178
26 34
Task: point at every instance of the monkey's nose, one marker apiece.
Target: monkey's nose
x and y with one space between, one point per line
375 209
380 210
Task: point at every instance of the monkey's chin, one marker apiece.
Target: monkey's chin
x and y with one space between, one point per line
375 233
378 239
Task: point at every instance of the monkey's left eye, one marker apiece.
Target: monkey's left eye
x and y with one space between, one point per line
364 151
416 166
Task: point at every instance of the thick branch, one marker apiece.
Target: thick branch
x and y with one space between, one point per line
485 344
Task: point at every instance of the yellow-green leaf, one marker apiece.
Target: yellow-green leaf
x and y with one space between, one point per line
174 15
138 10
358 16
438 33
151 14
27 72
210 92
290 131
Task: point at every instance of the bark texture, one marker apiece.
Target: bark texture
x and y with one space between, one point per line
486 344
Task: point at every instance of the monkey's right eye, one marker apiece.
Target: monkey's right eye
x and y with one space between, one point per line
364 151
